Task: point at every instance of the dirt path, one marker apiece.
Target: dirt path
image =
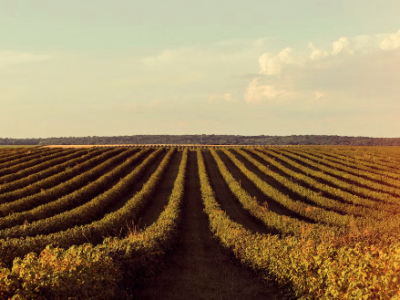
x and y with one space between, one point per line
199 268
162 194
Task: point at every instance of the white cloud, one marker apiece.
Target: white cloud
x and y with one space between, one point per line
15 57
257 92
316 53
391 42
224 97
271 64
341 45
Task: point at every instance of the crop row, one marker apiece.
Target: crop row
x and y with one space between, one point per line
80 208
313 270
9 155
28 161
363 228
68 194
342 158
382 159
370 180
283 224
367 188
104 271
48 183
110 225
374 231
43 170
316 214
364 200
316 197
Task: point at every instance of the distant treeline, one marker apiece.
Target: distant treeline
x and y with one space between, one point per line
209 139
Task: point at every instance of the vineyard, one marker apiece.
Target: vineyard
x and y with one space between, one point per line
181 222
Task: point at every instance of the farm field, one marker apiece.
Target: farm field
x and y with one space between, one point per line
200 222
16 146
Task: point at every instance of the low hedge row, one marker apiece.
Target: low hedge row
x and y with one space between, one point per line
9 155
384 161
50 182
350 162
46 204
313 196
28 161
79 207
316 214
343 187
313 270
283 224
106 271
46 169
374 229
110 225
370 180
382 193
317 197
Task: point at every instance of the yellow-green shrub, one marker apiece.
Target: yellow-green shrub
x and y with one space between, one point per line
81 272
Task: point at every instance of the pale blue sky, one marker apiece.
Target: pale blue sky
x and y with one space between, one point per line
78 68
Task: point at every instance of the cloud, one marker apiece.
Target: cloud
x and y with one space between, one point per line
341 45
257 92
271 64
345 70
15 57
316 53
224 97
391 42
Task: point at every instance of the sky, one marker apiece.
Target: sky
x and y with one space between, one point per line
256 67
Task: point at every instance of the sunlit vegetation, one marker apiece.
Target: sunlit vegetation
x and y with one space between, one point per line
323 222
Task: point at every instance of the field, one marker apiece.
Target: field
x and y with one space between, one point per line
197 222
16 146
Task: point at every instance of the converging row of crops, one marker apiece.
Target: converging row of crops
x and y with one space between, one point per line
321 222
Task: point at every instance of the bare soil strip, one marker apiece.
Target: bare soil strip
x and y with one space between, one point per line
161 196
199 268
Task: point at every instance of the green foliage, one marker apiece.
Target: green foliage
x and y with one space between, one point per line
314 260
104 271
314 270
81 272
